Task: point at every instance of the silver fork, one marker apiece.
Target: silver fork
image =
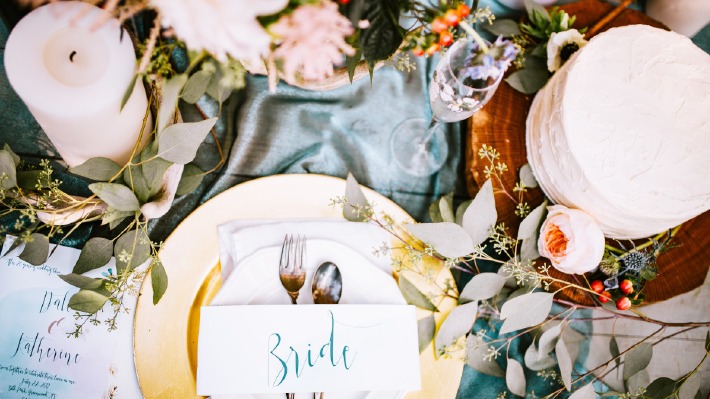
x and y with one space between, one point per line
292 271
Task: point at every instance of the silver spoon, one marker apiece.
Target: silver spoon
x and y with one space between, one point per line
327 284
327 287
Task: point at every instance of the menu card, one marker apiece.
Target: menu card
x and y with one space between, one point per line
323 348
37 358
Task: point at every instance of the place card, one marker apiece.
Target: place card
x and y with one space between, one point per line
37 358
309 348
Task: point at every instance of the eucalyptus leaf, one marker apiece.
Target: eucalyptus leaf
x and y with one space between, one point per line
530 226
614 350
116 196
97 252
443 209
179 142
28 179
525 311
87 301
461 210
482 286
515 377
196 86
413 296
637 359
131 250
660 388
191 178
690 386
481 215
528 81
100 169
112 215
355 200
586 392
456 325
531 7
171 92
548 339
15 158
448 239
539 52
565 363
426 328
638 380
36 249
79 281
223 81
128 92
536 361
529 250
8 172
159 280
153 169
504 27
527 177
476 350
135 180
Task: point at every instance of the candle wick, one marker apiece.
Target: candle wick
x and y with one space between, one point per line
71 56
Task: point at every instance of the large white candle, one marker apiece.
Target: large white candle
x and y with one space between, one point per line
72 73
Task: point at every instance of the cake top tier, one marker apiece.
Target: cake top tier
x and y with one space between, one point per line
636 116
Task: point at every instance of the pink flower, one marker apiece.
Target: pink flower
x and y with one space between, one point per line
312 39
571 240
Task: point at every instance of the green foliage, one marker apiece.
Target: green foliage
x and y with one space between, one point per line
191 178
384 35
99 169
415 297
87 301
116 195
158 279
96 253
179 142
36 249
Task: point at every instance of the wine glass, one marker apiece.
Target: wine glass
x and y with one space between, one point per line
464 80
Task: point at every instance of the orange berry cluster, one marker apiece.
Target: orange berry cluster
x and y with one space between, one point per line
626 287
441 30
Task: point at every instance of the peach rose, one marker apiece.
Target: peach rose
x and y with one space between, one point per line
571 240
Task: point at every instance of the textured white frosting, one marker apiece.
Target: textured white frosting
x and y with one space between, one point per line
622 131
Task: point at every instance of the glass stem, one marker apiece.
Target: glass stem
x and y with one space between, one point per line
431 130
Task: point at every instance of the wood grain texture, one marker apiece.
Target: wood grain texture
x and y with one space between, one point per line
501 123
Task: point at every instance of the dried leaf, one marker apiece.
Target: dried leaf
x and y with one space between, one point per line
87 301
116 196
355 200
171 91
179 142
637 359
36 250
481 215
413 296
196 86
565 362
527 177
8 173
97 252
159 280
515 377
131 250
456 325
482 286
79 281
525 311
448 239
100 169
586 392
476 350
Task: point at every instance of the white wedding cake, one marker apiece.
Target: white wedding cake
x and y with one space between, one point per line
622 131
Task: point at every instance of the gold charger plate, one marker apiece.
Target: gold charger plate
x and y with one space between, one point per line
165 335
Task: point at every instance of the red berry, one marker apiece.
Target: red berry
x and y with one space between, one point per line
463 11
343 2
438 25
604 296
624 303
433 49
627 287
452 18
446 38
597 286
418 51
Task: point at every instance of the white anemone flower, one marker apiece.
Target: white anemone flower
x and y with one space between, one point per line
561 46
221 27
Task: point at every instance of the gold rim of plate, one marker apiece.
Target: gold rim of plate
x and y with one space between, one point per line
165 335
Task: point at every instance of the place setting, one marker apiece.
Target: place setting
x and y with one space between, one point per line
354 199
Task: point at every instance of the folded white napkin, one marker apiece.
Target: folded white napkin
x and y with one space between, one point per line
241 238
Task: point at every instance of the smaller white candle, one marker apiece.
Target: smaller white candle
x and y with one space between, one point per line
72 75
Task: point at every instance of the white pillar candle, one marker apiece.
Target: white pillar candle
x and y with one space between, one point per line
72 73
